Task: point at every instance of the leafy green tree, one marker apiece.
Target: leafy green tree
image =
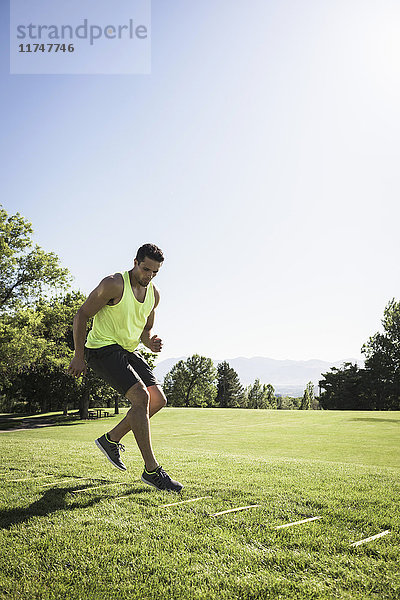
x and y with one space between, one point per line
344 389
36 347
26 271
382 364
377 386
308 397
255 395
288 403
41 387
261 396
150 357
36 340
191 382
270 396
20 344
34 351
230 392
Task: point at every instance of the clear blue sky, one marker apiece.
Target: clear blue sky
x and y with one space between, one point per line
261 154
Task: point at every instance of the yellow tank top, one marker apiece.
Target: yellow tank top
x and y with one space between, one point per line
122 323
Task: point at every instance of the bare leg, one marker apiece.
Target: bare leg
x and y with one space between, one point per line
137 418
157 402
157 399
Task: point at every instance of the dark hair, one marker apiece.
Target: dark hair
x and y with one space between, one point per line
151 251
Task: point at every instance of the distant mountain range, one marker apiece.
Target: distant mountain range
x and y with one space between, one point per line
289 377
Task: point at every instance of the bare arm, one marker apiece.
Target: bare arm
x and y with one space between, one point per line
154 343
108 289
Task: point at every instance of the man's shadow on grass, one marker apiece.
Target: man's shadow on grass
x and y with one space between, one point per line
52 501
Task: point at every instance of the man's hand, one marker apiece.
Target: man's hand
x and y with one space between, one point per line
155 344
77 367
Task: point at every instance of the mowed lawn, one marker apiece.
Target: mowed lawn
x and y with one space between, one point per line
74 527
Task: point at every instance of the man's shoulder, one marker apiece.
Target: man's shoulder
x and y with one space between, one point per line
113 282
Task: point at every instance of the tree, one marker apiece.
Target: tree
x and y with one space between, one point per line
36 341
308 397
36 346
288 403
148 356
344 389
35 349
270 396
26 271
382 365
230 392
377 386
191 382
20 344
261 396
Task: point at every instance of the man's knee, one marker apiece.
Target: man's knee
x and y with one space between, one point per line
157 395
162 401
138 395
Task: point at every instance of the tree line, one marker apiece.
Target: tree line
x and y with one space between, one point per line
37 306
196 382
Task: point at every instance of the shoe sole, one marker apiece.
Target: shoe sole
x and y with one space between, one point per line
100 447
149 483
157 488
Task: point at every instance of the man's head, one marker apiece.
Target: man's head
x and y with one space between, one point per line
148 261
151 251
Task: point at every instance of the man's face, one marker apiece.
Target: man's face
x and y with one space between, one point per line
146 270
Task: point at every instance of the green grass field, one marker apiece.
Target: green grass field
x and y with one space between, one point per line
65 537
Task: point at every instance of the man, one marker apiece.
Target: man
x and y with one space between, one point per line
123 308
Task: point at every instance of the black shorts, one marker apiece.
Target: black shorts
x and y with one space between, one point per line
119 368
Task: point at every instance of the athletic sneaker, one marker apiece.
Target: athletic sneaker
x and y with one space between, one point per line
111 451
161 480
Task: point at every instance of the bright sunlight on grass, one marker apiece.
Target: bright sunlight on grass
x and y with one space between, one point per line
73 527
